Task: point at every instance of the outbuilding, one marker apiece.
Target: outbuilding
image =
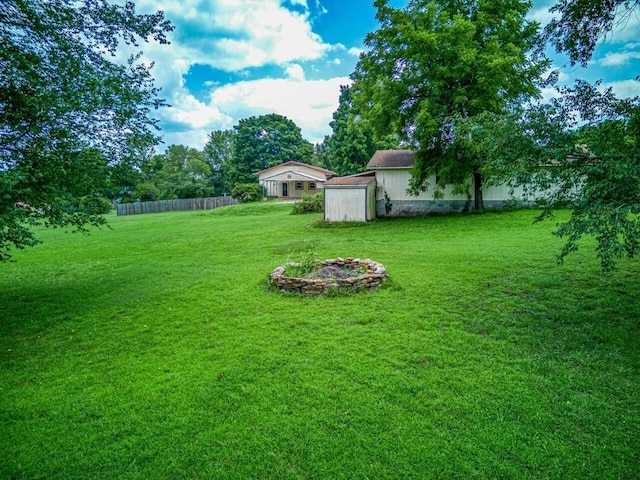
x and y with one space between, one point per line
384 191
351 198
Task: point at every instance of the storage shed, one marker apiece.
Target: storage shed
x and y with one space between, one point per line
350 199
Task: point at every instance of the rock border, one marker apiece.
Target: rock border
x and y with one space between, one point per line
374 275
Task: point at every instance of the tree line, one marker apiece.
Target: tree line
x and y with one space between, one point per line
230 158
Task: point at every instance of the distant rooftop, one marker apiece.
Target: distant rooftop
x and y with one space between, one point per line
392 159
290 163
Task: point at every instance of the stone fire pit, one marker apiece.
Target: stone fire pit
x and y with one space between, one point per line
342 273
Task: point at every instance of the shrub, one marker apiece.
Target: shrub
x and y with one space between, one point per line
309 204
247 192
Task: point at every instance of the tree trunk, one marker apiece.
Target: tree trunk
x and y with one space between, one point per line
478 204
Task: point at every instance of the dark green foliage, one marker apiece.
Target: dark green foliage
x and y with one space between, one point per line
218 152
435 61
262 142
352 144
66 109
181 172
248 192
309 204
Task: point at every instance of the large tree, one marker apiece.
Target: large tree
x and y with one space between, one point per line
263 142
218 152
65 102
433 62
581 151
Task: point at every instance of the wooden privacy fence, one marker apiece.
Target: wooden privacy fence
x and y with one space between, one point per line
174 205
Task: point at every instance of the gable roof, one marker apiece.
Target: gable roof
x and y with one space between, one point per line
392 159
291 175
324 171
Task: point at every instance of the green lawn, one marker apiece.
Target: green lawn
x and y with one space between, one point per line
155 350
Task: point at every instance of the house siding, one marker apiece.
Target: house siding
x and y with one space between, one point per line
396 181
274 189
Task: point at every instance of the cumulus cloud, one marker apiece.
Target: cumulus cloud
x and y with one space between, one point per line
232 34
310 104
295 72
236 36
615 59
626 27
623 88
541 15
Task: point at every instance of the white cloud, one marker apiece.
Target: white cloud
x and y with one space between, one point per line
623 88
235 34
541 15
548 93
614 59
287 97
627 26
295 72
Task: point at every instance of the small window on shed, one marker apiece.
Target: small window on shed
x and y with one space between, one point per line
298 185
312 185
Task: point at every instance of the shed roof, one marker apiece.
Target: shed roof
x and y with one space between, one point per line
392 159
352 180
327 173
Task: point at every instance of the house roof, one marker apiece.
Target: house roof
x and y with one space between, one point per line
291 175
392 159
324 171
352 180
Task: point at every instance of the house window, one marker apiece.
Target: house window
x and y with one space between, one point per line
312 185
298 185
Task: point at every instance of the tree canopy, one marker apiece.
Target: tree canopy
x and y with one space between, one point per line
352 144
591 137
218 152
263 142
433 62
68 109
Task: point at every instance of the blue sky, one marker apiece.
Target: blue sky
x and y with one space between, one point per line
230 59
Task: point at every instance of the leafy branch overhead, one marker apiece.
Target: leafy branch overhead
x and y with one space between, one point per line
63 92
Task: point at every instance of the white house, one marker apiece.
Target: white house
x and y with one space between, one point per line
391 171
292 179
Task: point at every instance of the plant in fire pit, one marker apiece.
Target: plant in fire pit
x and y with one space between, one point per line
304 266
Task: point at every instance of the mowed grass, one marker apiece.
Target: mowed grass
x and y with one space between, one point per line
154 349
